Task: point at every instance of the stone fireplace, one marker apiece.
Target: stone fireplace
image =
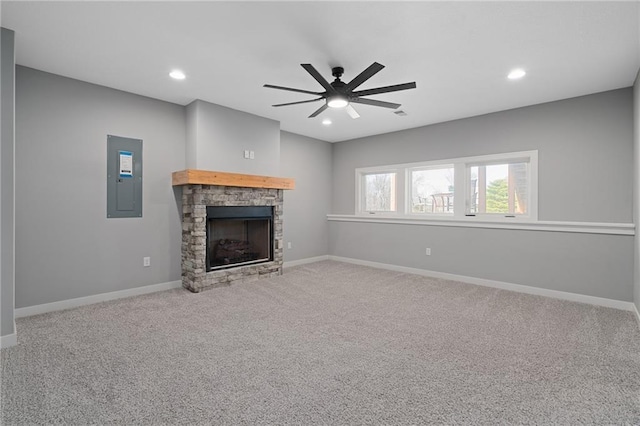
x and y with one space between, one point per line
231 227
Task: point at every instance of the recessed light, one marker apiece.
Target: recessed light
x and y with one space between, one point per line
177 74
326 122
516 74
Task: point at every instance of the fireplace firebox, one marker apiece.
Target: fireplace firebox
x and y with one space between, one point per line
238 235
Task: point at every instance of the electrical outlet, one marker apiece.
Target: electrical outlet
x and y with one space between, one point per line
289 245
252 155
428 252
246 154
146 262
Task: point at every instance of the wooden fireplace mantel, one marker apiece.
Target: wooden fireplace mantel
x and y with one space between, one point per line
205 177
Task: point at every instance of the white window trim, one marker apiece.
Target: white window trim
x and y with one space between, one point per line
531 157
360 184
408 190
461 178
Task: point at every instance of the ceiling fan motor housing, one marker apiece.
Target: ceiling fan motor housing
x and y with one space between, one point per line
338 85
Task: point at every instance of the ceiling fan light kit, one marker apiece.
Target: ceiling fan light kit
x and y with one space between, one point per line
337 101
339 94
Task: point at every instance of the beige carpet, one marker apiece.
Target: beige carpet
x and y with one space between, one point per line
326 343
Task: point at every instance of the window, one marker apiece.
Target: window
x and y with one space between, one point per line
432 189
500 186
380 192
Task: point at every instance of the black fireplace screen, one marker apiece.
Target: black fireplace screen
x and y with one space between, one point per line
238 236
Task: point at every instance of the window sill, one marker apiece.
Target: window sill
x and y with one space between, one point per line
495 223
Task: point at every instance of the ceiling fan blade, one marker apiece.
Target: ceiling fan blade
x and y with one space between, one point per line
320 79
352 112
319 110
299 102
385 89
373 102
271 86
364 76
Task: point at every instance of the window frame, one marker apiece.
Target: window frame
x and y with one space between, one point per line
528 157
361 193
462 187
439 165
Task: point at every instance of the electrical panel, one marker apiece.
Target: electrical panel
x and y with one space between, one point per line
124 177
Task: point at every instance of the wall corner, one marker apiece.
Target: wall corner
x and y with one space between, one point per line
7 185
636 190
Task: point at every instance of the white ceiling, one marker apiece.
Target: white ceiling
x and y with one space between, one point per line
457 52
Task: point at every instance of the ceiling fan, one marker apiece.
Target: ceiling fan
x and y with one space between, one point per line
339 94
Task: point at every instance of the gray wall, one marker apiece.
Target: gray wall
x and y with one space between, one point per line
585 148
308 161
584 153
65 245
589 264
222 134
636 190
7 146
191 148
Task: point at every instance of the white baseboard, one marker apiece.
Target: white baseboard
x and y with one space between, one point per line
635 310
574 297
88 300
10 339
305 261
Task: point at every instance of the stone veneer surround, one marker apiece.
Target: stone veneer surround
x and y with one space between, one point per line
195 199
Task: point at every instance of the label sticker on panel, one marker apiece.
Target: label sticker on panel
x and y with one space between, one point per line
126 164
